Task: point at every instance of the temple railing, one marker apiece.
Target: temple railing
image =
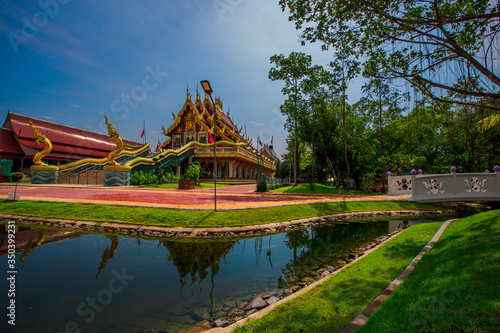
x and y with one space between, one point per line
399 185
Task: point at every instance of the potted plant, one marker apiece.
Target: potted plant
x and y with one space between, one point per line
191 177
17 176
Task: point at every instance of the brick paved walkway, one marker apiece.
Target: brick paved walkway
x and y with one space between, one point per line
227 197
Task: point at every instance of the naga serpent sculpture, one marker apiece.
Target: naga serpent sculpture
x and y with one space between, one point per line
114 136
40 138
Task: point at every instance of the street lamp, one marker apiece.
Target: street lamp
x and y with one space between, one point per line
208 90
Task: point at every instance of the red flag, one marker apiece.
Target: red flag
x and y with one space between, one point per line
142 134
260 142
263 153
211 137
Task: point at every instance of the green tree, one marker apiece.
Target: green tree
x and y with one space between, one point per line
435 45
382 105
345 67
292 70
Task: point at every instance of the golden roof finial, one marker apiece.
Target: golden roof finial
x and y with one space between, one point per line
198 97
188 94
173 115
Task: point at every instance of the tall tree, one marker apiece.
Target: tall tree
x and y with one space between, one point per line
314 87
345 67
382 104
434 44
292 70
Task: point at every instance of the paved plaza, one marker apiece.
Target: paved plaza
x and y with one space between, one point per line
232 197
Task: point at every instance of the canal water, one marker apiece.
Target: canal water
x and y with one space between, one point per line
81 282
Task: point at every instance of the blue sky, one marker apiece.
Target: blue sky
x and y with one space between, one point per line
71 62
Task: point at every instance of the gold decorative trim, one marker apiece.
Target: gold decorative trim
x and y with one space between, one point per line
117 168
40 167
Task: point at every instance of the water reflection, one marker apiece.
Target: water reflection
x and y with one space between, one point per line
109 252
195 258
219 275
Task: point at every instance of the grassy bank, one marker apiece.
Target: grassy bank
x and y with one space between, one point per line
319 189
330 306
454 288
197 218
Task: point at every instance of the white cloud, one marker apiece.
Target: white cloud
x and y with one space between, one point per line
48 117
256 123
156 132
74 105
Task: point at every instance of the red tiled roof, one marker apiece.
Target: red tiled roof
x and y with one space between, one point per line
68 143
8 144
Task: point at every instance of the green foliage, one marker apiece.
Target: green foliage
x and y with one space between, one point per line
262 185
143 178
419 41
368 181
17 176
193 172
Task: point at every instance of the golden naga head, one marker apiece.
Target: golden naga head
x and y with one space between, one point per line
113 134
37 135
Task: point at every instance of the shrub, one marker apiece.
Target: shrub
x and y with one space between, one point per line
368 181
193 172
262 186
17 176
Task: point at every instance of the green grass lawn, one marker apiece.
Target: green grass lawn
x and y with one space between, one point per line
329 307
197 218
320 189
454 288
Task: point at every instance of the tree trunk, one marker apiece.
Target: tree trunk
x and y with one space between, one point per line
332 171
345 140
382 140
296 149
312 155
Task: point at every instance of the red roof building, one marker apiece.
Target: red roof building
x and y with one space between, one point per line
68 143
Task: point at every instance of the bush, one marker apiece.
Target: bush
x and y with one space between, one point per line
194 172
17 176
368 181
143 178
262 186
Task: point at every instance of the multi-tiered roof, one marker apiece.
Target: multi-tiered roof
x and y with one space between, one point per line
198 116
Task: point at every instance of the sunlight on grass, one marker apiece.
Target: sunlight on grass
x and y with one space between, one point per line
197 218
320 189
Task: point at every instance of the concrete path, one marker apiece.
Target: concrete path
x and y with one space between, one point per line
233 197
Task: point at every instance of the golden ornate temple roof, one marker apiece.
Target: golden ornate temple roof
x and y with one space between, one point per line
197 116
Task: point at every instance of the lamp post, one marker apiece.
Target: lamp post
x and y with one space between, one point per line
208 90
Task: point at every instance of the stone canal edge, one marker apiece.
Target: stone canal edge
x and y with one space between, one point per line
363 317
203 233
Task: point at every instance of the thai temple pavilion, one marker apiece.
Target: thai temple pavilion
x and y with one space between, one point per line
74 155
68 143
195 122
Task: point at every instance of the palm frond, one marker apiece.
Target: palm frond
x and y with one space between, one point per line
488 122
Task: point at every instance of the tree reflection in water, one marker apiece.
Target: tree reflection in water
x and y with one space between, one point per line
323 246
